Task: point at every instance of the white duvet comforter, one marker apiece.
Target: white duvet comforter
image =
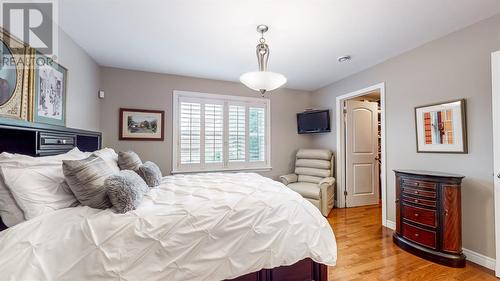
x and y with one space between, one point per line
193 227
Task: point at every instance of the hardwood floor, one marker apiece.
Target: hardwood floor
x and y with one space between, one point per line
366 252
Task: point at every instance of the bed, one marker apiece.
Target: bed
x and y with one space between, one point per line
192 227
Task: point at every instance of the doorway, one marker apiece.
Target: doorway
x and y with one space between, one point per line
360 129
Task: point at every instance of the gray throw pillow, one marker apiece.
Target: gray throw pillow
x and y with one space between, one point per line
86 179
129 160
125 190
150 173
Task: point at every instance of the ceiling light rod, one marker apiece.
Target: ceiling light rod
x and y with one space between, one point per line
262 49
262 80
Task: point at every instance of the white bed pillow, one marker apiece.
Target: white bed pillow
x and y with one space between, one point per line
36 183
10 212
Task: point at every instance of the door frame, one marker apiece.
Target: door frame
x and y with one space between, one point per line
340 159
495 96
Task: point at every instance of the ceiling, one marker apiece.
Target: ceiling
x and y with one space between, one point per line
216 38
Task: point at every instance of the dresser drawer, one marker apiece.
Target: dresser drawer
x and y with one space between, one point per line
419 201
419 184
419 215
419 192
419 235
50 141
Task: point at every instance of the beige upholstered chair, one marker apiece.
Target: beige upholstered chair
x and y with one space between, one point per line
313 178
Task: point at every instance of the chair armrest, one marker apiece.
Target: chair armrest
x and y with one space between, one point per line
327 190
327 181
288 179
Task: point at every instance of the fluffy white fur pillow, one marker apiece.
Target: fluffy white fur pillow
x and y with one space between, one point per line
125 190
150 173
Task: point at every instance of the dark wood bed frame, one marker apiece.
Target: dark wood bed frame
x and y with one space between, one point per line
41 140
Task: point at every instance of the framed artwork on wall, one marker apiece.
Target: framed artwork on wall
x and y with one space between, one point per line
441 128
14 77
141 124
49 91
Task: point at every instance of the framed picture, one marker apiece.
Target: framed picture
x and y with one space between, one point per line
141 124
14 77
49 96
441 128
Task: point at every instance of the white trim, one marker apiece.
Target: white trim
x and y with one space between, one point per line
226 100
495 104
479 259
263 169
389 224
211 96
495 71
340 159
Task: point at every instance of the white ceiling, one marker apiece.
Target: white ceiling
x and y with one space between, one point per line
216 38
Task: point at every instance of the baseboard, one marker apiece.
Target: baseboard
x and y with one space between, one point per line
479 259
389 224
472 256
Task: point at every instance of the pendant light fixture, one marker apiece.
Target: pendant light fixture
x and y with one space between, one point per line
262 80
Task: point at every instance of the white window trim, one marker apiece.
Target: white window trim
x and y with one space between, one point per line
196 168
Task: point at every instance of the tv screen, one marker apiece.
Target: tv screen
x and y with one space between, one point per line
317 121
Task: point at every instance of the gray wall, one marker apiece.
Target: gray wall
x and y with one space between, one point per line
456 66
135 89
82 106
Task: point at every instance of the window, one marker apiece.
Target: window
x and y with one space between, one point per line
220 132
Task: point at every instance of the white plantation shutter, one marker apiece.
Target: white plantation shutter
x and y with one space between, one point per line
237 133
257 131
220 132
214 133
190 132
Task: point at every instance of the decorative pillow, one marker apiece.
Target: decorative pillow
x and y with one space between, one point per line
86 179
125 190
110 157
129 160
150 173
35 183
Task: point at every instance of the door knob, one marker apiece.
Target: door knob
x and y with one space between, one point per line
498 175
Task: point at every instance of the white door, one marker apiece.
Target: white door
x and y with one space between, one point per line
361 153
495 71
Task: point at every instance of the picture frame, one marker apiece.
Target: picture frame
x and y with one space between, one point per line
14 77
141 124
441 127
49 87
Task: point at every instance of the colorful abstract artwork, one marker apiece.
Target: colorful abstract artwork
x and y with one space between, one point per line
441 127
438 127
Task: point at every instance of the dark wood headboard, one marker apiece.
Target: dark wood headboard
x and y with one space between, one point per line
35 139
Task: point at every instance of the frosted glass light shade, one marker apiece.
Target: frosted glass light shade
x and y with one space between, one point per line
263 80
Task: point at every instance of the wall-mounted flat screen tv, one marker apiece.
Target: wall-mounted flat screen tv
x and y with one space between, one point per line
314 121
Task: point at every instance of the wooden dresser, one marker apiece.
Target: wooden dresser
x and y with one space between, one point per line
428 216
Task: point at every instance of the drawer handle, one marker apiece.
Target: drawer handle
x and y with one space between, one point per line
416 192
416 235
445 212
416 200
416 215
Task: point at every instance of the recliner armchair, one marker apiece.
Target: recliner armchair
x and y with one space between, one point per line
313 178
